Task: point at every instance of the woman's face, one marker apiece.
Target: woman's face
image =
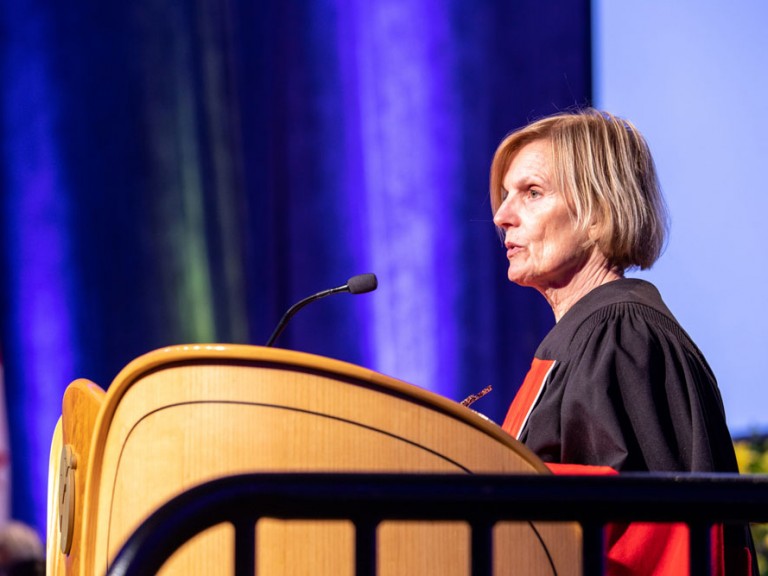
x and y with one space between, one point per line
545 248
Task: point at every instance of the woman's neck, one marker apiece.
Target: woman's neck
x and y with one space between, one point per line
594 273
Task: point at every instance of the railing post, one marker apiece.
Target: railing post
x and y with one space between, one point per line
700 549
482 548
365 547
245 548
593 549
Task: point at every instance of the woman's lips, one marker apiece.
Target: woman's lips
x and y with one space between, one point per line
512 249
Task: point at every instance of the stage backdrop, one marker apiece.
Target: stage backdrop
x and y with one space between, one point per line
184 170
697 91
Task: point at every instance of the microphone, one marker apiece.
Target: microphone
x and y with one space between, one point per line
359 284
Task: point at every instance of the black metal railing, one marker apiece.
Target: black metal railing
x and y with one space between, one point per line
699 500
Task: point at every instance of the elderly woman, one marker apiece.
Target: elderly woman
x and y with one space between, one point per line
617 384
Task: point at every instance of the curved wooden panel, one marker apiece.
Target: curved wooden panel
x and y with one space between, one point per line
180 416
54 558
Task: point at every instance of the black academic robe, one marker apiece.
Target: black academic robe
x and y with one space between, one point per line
618 383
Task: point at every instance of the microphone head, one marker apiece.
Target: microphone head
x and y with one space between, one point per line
362 283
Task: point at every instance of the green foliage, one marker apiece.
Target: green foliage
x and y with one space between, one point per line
752 455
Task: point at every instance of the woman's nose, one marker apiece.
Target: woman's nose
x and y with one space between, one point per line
497 219
506 215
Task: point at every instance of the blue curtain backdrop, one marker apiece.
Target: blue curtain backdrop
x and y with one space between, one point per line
183 171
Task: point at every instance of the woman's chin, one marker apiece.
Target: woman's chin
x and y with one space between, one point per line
520 278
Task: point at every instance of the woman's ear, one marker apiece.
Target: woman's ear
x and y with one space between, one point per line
594 232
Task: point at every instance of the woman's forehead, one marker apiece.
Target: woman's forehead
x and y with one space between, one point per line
532 161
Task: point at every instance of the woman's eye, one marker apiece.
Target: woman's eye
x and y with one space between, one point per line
504 194
534 193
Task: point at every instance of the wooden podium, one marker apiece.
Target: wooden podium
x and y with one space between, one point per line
180 416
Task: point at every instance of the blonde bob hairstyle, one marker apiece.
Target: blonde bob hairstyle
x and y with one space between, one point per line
605 170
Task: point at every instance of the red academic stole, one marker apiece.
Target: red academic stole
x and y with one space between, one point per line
527 396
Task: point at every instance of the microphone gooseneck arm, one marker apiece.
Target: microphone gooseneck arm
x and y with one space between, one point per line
298 306
355 285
